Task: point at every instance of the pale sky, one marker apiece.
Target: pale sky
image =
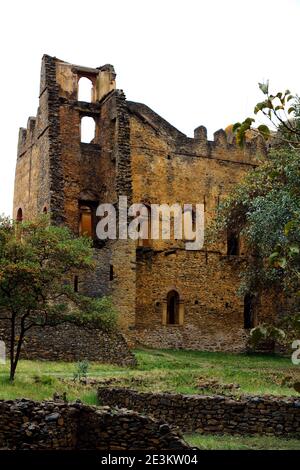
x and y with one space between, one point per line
194 61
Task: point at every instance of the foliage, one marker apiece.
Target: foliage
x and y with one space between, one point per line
81 371
266 333
37 266
265 207
282 110
261 209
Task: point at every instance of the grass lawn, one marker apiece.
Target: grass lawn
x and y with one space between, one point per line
157 370
167 370
227 442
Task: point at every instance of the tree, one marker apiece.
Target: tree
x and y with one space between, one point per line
265 207
37 265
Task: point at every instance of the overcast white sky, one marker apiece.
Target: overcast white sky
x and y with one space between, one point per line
192 61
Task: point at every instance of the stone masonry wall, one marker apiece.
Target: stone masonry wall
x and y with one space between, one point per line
54 426
68 342
213 414
136 153
167 168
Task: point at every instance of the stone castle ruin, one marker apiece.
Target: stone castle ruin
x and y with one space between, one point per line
166 296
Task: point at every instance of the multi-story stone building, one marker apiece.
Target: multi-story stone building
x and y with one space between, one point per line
166 295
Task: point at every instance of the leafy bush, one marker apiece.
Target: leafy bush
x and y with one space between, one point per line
81 370
264 335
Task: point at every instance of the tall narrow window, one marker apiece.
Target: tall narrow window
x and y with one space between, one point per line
45 210
86 221
248 311
233 244
173 308
145 226
87 130
76 283
111 272
19 215
85 89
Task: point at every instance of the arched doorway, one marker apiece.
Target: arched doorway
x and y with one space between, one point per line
173 308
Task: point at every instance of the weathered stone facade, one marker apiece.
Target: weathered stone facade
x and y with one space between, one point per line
136 153
49 425
213 414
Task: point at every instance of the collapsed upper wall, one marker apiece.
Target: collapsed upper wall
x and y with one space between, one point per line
67 77
39 178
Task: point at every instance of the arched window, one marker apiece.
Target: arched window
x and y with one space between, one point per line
85 89
173 308
233 244
86 221
87 129
45 210
249 311
19 215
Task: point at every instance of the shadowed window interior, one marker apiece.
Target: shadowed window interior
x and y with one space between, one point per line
76 283
111 272
85 89
232 244
19 215
248 311
173 308
87 129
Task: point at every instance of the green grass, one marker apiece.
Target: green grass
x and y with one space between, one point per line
157 370
227 442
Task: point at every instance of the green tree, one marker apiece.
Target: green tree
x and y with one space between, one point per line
37 265
265 207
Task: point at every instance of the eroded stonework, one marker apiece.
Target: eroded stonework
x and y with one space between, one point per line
136 153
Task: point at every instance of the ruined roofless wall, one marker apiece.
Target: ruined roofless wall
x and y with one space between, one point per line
69 342
48 425
213 414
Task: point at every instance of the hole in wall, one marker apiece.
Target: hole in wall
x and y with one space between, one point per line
87 129
85 89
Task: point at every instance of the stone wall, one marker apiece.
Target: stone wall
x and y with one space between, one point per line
52 425
167 168
68 342
213 414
